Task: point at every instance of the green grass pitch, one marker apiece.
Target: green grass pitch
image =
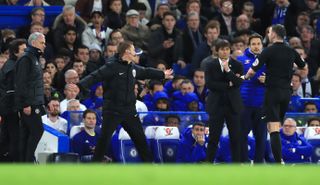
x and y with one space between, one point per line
114 174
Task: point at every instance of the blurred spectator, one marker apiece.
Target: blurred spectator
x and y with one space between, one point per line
173 85
295 104
211 33
141 8
50 93
242 24
303 19
71 91
60 62
110 50
310 107
95 59
313 122
37 3
116 37
135 32
166 42
8 2
227 21
115 18
192 146
53 119
79 67
192 38
248 9
82 53
87 7
71 77
172 121
66 19
200 85
161 103
70 39
156 21
238 45
84 142
96 33
95 101
295 42
73 118
51 68
153 86
192 6
140 106
295 149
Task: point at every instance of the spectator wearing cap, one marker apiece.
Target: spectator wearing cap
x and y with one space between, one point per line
96 33
134 31
87 7
115 17
66 19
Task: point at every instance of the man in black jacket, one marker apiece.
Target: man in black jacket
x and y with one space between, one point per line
278 59
29 97
9 137
119 77
224 103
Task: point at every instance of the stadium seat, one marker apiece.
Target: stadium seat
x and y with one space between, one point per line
124 149
166 144
312 134
63 158
150 133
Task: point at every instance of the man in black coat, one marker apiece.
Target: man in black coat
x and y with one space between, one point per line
29 96
119 77
9 136
224 103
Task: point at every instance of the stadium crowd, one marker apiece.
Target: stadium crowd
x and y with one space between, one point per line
177 34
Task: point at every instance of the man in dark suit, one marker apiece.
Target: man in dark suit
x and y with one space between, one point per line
224 102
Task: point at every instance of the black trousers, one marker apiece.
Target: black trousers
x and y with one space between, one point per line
31 130
131 124
9 138
251 120
216 122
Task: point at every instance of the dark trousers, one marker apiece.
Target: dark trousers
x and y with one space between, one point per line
216 122
131 124
31 130
251 120
9 138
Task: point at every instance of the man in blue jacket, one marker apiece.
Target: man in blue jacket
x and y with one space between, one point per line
252 94
192 146
295 149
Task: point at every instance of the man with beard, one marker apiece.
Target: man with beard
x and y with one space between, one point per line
53 119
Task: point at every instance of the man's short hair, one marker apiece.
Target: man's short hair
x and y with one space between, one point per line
87 112
223 44
34 36
255 36
14 45
279 30
213 24
172 116
34 10
123 46
198 124
169 13
312 119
